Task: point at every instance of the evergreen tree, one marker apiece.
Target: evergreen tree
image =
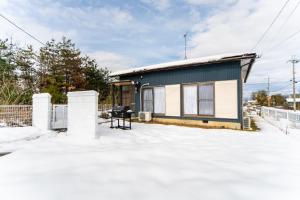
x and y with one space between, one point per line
96 78
57 69
278 100
27 77
261 97
60 69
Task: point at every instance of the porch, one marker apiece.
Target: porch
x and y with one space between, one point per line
123 94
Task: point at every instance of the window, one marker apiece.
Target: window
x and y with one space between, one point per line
154 100
206 99
148 100
190 99
159 100
198 99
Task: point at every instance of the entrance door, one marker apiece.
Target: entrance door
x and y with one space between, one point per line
127 96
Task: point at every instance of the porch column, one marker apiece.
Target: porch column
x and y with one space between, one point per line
113 95
41 111
83 113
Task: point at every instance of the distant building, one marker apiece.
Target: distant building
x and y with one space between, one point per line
290 102
205 91
251 102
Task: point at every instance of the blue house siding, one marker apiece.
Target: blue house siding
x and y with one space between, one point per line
211 72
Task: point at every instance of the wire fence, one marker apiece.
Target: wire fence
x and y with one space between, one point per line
15 115
284 119
104 107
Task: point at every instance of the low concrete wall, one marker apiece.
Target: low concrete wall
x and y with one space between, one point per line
41 111
82 113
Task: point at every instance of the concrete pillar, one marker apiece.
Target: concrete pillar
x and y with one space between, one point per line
41 111
83 113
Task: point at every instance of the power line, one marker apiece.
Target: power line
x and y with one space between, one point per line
270 26
259 83
283 41
280 29
27 33
280 89
288 18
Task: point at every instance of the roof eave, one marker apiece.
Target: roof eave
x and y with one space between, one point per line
249 68
252 56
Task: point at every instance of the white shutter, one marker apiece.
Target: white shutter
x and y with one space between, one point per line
190 99
159 100
148 100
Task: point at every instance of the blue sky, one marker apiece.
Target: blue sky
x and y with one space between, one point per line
121 34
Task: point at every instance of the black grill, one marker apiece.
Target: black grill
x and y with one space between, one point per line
120 112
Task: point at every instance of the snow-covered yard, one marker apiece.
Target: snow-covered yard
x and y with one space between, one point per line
151 162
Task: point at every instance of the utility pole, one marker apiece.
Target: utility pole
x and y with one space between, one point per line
185 36
269 98
294 61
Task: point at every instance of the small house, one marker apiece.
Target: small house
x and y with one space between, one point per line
206 91
290 102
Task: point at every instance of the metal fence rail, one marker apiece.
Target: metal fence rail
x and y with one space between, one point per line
282 117
15 115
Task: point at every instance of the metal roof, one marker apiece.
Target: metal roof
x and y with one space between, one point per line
247 60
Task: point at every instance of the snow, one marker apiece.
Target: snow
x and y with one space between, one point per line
12 139
200 60
155 162
291 100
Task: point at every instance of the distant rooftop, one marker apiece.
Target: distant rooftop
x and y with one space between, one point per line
246 59
291 100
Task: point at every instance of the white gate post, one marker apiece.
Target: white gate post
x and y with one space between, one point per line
83 113
41 111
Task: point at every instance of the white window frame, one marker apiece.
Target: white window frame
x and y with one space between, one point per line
143 99
199 85
163 101
213 98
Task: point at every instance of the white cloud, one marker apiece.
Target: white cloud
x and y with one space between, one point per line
30 24
54 20
238 27
113 61
158 4
91 17
209 2
220 27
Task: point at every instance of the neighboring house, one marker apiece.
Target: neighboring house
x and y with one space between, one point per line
290 102
204 91
251 102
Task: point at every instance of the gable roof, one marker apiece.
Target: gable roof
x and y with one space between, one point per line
246 59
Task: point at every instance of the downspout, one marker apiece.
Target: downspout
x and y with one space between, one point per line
141 90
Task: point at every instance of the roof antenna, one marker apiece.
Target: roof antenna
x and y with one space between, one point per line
185 36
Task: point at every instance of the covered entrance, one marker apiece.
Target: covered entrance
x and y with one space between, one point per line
123 94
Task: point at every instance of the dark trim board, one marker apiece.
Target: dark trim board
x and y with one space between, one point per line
4 153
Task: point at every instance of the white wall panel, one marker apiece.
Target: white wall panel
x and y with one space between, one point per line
173 100
226 101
